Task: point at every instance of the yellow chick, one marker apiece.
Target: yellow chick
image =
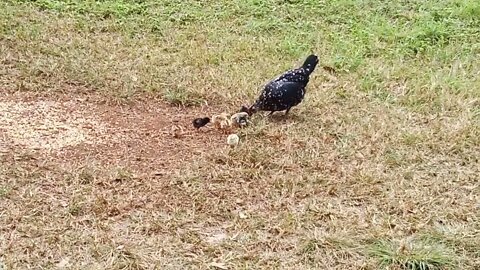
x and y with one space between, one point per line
221 121
177 131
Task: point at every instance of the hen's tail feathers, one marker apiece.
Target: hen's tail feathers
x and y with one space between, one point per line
310 63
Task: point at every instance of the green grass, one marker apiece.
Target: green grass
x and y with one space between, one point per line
182 96
431 48
412 256
3 191
385 147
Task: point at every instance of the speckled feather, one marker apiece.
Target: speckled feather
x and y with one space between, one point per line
280 95
287 90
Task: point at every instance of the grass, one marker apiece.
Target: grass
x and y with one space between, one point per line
183 97
384 148
414 256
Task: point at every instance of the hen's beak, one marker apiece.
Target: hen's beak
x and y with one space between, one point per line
253 109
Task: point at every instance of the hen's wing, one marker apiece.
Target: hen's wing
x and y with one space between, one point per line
280 95
298 75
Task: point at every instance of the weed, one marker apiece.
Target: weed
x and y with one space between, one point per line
182 97
4 191
416 255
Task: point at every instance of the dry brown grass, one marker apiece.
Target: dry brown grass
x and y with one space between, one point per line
287 197
378 167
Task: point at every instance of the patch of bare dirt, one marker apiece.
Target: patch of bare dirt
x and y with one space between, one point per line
80 129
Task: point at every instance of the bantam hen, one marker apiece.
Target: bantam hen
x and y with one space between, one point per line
287 90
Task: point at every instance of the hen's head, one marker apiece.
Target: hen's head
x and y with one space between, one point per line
247 110
310 63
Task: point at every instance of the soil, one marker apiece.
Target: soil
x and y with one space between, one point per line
146 135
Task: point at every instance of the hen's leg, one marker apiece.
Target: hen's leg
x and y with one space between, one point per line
288 109
271 113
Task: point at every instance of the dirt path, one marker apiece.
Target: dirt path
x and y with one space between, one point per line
86 129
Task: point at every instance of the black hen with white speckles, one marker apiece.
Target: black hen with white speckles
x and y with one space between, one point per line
287 90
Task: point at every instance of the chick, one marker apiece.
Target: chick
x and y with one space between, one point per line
239 119
233 140
176 131
221 121
200 122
